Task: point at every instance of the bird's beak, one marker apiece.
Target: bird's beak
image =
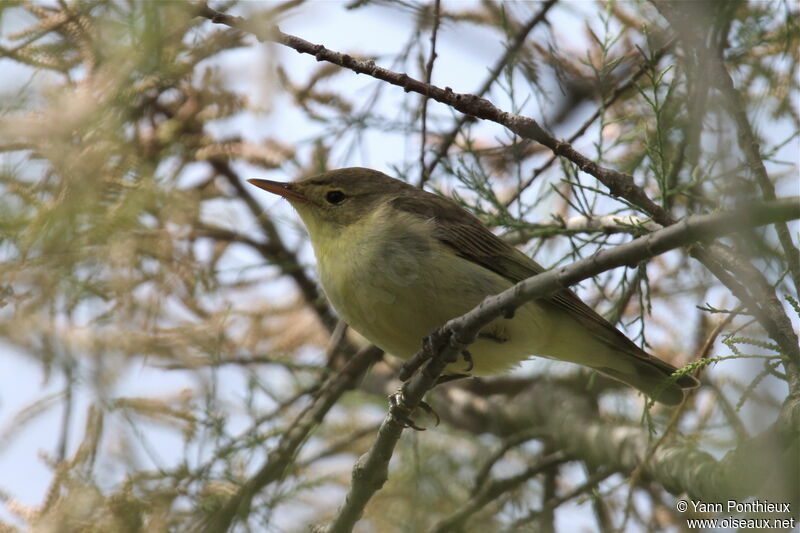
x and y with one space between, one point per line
281 189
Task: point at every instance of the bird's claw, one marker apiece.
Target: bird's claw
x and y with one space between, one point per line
431 411
468 359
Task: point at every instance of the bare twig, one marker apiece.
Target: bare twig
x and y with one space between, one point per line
749 145
515 440
423 176
275 251
747 283
202 362
618 183
704 352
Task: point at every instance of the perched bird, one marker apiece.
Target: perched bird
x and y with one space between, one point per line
396 262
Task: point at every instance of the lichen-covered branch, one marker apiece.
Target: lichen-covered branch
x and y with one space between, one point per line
565 420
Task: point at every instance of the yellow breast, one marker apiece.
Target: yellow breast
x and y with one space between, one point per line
394 283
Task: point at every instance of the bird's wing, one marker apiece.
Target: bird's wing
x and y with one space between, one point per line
470 239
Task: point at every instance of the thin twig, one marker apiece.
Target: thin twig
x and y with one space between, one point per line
584 487
490 491
494 73
280 458
515 440
423 176
749 145
755 291
618 183
686 24
276 251
704 352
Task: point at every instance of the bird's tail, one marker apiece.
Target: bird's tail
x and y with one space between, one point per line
651 376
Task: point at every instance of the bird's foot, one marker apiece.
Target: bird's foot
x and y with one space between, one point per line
430 346
403 413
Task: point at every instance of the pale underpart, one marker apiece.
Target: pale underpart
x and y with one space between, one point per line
396 293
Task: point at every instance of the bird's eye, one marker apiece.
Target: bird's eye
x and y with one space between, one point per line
335 197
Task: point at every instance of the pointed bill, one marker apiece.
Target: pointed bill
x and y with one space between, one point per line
281 189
